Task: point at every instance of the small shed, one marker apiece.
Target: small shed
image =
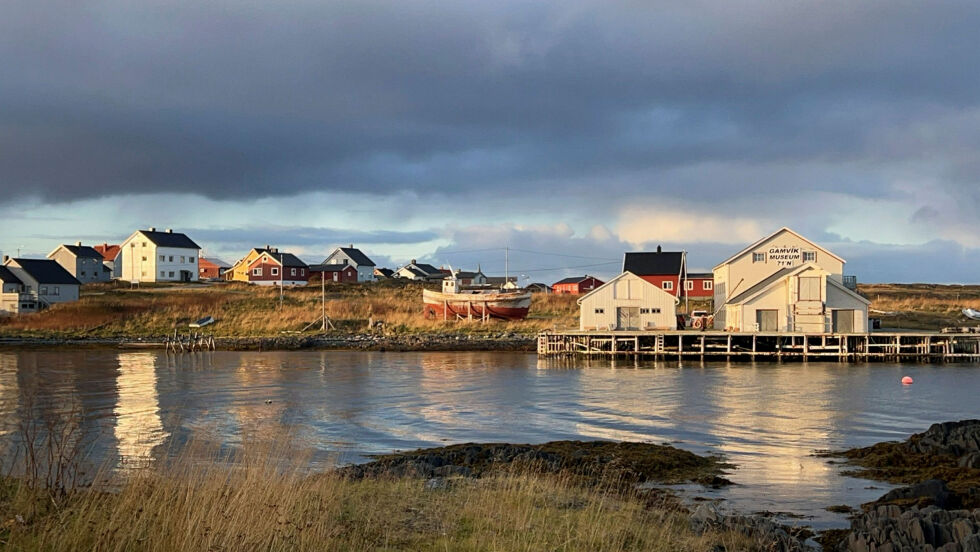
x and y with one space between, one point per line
577 285
628 302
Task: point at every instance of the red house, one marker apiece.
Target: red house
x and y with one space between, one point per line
576 285
271 267
668 270
211 268
336 272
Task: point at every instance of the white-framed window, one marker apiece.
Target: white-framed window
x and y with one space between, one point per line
689 285
668 285
171 258
44 290
56 290
708 285
600 311
292 272
758 257
162 274
183 259
274 271
162 258
809 256
171 274
190 260
257 271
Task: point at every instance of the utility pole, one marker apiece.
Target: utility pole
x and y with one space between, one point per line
281 270
506 265
323 301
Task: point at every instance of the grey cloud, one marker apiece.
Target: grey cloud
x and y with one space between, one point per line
234 100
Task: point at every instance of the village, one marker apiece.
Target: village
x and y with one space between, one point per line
781 283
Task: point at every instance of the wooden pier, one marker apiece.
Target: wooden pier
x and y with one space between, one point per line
897 346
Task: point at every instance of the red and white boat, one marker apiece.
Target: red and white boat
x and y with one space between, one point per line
453 302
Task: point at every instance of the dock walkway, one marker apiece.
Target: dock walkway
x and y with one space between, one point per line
902 346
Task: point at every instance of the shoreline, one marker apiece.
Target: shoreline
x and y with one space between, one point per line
504 342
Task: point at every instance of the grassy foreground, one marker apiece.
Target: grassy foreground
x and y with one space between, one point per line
259 505
114 310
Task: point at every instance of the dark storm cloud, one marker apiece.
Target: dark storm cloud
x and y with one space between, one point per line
237 100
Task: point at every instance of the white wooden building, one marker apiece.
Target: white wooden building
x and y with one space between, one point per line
786 283
151 256
354 257
628 302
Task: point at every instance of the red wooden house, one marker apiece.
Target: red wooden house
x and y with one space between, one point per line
700 285
577 285
211 268
269 266
668 270
334 272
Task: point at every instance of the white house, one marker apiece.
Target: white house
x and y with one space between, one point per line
151 256
354 257
82 262
43 281
628 302
785 282
420 271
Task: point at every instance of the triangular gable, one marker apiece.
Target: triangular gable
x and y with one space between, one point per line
771 236
610 282
849 291
771 282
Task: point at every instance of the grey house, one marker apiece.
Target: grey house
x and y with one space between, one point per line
354 257
44 280
13 300
82 262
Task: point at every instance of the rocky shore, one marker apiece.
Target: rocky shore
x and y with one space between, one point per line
363 342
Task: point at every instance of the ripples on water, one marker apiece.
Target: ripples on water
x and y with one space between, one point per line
768 419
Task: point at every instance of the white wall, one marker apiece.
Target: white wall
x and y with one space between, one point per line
628 290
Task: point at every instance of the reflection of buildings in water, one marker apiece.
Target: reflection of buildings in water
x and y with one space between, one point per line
259 402
138 428
772 418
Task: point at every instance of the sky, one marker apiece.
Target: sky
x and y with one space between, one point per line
569 132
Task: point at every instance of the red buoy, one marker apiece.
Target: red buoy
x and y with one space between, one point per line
907 380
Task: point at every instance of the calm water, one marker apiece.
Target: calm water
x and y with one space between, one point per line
768 419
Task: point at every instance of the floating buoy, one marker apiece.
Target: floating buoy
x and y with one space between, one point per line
907 380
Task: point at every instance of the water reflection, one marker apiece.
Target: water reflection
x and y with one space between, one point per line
138 427
768 419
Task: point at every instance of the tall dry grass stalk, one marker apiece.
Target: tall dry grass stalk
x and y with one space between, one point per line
203 501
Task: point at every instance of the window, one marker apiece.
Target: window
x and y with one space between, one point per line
83 273
600 311
644 311
809 256
144 244
44 290
56 290
144 259
345 262
162 274
758 257
183 259
190 260
292 272
162 258
708 285
143 274
668 285
257 271
689 285
655 310
274 271
170 274
171 258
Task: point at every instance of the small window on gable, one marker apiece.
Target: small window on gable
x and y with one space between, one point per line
600 311
758 257
809 256
257 271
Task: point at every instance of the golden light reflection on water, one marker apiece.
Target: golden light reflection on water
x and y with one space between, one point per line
138 428
9 393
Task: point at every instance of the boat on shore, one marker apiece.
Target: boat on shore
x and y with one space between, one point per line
454 303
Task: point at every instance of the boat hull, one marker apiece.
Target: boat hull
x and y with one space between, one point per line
501 306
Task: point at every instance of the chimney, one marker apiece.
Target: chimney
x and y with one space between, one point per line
78 243
660 249
153 229
6 258
170 230
352 246
413 261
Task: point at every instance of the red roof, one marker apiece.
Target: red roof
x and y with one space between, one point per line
107 251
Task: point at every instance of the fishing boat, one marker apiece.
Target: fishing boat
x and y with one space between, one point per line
454 302
971 314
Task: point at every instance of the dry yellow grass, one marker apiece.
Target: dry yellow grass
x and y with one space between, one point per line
196 503
921 306
242 310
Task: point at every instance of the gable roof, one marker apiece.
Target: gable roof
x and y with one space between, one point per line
169 239
8 277
83 251
573 280
356 255
621 275
46 271
336 267
770 236
762 285
108 252
214 261
644 263
849 291
386 272
287 259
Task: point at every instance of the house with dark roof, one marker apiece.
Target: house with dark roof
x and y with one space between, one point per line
354 257
152 256
13 299
44 280
82 262
211 268
576 285
668 270
383 273
335 272
420 271
269 266
109 254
